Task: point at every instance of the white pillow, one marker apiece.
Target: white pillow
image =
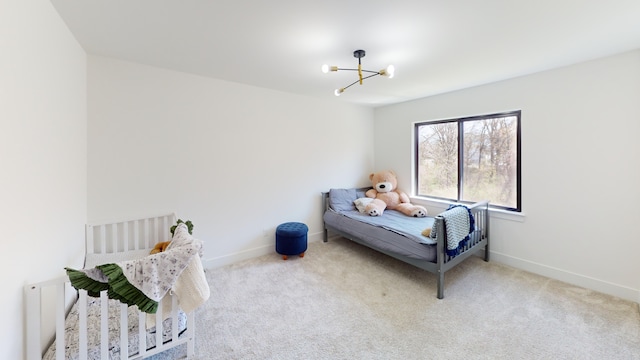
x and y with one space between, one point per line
361 203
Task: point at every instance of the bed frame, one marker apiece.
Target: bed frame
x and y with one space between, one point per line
113 240
479 241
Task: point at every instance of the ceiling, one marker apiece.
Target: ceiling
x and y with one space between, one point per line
436 46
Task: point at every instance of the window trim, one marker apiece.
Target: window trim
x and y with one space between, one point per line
460 121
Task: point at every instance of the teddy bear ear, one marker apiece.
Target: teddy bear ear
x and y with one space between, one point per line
392 173
371 176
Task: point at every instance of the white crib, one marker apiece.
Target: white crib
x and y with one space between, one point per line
89 328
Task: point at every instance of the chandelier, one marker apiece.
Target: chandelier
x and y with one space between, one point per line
359 54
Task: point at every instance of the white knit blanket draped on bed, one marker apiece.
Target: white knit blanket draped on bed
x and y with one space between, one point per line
143 282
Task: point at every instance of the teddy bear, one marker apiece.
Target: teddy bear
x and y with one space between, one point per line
387 196
162 246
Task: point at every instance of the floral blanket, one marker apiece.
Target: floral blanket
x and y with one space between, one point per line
93 331
142 282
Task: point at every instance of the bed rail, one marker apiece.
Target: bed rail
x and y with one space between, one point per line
478 242
481 232
325 207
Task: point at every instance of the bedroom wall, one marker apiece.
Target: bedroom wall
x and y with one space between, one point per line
580 171
42 156
236 160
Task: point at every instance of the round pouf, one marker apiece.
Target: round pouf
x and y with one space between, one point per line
291 239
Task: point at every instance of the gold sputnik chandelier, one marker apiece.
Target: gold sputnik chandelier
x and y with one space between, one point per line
359 54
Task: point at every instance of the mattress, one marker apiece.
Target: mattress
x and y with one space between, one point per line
93 331
390 236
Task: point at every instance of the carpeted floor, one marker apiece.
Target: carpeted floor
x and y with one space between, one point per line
344 301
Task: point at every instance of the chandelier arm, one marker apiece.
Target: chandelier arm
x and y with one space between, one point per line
372 75
369 71
353 83
357 81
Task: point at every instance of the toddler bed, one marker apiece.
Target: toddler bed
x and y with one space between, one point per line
91 328
401 236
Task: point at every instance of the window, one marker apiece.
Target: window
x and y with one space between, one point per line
470 159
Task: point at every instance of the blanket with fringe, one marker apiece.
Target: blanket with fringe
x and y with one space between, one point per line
143 282
459 223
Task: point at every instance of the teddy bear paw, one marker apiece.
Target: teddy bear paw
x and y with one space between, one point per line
374 212
420 213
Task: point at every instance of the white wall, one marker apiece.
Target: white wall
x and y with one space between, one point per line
42 156
236 160
580 173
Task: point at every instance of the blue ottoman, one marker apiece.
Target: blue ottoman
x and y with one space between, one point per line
291 239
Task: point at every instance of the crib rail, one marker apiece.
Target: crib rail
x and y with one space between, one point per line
128 235
47 303
36 332
51 296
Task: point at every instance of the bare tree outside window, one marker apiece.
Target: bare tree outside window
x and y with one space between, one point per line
470 159
438 160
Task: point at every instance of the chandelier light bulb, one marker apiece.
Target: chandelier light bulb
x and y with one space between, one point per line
337 92
325 68
391 70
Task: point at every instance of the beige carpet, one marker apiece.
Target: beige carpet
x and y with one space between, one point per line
344 301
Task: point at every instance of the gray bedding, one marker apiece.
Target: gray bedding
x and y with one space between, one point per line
393 231
401 236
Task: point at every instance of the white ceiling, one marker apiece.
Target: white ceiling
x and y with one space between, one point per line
436 45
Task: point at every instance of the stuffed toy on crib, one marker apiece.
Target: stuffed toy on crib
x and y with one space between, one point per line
162 246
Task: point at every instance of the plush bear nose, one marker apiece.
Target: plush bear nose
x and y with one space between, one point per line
382 186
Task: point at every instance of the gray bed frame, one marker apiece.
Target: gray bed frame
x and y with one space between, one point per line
479 241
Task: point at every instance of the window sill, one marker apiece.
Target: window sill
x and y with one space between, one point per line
443 204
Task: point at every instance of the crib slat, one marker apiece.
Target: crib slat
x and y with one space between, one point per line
103 237
142 335
82 336
114 238
89 235
153 234
165 229
125 236
145 233
124 332
159 324
60 323
174 317
104 325
136 231
34 308
191 333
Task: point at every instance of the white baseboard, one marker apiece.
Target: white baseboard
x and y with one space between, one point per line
219 261
605 287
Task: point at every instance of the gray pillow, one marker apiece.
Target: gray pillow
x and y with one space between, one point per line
361 193
342 199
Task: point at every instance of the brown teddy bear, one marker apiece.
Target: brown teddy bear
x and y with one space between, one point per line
387 196
162 246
